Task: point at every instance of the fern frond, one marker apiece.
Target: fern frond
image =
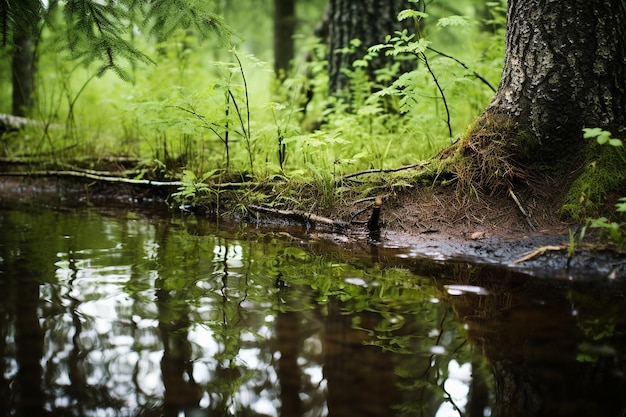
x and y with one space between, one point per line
98 31
19 16
165 16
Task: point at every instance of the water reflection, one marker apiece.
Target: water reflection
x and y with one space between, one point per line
136 316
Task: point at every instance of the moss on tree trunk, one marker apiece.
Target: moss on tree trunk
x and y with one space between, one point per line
564 69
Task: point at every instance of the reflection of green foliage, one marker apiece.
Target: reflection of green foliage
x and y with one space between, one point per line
215 298
597 323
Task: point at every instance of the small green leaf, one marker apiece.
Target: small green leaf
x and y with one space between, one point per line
592 132
411 14
452 21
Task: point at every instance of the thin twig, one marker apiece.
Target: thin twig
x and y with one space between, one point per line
247 130
524 212
539 251
443 96
386 170
474 73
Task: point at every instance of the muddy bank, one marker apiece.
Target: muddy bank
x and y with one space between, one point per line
507 245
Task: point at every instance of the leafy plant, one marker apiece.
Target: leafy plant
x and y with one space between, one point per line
616 230
206 110
192 188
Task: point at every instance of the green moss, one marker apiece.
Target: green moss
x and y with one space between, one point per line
604 174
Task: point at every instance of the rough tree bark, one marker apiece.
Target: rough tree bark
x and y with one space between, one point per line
564 69
368 21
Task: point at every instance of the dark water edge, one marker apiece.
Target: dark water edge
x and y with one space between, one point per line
118 312
592 263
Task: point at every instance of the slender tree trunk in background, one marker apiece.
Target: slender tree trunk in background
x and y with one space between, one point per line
369 21
284 29
22 69
565 69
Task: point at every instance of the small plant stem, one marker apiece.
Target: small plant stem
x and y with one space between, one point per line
247 129
202 118
72 103
226 131
474 73
443 96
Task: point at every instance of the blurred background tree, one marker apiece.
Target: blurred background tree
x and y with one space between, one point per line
356 26
95 32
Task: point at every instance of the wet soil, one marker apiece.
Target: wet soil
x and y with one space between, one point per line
427 222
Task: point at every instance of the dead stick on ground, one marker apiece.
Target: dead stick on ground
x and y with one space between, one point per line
380 170
524 212
113 179
539 251
301 217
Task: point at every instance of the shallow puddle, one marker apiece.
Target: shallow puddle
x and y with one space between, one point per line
122 314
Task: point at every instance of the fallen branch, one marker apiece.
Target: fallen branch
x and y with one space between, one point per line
384 171
302 217
9 122
31 160
92 176
107 177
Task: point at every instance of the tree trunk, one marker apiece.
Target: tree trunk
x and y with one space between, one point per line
284 29
369 21
22 69
564 69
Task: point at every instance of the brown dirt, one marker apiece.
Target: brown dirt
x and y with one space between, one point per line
439 210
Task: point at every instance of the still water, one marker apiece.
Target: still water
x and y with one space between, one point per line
122 314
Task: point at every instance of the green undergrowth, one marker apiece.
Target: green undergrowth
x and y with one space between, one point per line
221 123
600 185
603 176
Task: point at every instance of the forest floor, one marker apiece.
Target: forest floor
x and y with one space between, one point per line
519 232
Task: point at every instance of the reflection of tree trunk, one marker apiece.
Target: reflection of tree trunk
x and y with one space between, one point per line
531 339
289 344
5 325
361 379
29 341
479 392
181 390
